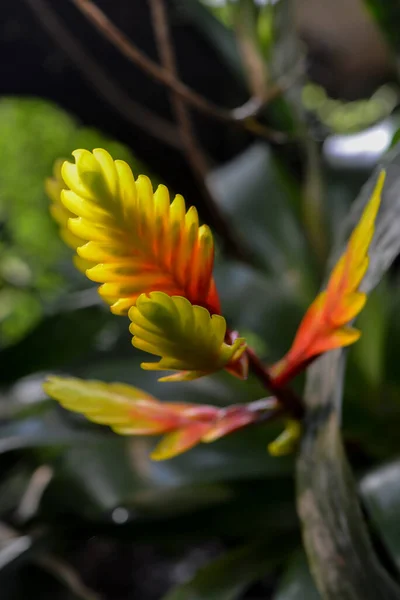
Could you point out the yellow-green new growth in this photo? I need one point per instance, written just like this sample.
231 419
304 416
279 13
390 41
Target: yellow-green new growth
187 338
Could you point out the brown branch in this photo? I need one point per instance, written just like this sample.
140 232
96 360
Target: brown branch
195 156
106 86
238 116
193 151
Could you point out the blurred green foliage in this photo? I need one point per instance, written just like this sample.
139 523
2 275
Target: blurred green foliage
34 264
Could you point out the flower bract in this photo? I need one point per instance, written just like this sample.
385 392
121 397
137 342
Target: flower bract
131 411
135 239
325 324
187 338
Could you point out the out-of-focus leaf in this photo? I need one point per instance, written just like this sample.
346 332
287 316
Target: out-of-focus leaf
269 506
265 305
12 487
71 585
297 583
33 133
386 15
12 546
114 472
48 430
18 578
58 340
369 353
392 340
380 490
227 577
221 38
327 502
257 201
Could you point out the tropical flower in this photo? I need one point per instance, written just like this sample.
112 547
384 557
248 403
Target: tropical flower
187 338
136 240
325 324
131 411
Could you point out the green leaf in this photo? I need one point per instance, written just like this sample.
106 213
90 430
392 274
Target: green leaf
380 490
227 577
273 309
115 471
58 340
386 15
327 502
254 196
297 583
220 37
33 134
50 430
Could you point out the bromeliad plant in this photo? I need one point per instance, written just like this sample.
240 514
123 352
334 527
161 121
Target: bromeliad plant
155 264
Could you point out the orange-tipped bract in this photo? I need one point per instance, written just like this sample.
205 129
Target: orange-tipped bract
325 324
136 240
131 411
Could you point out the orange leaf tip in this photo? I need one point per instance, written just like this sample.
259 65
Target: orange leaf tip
131 411
325 324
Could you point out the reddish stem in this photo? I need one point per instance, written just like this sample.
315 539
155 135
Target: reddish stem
287 397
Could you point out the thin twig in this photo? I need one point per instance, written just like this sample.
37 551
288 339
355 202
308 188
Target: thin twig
104 84
193 151
65 573
240 116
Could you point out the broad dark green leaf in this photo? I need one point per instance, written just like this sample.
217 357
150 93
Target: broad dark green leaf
387 15
227 577
342 559
33 134
265 307
20 578
380 490
48 430
253 194
297 583
269 509
113 472
58 340
220 37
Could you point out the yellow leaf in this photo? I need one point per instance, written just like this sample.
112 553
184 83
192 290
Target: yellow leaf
186 337
126 409
287 441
